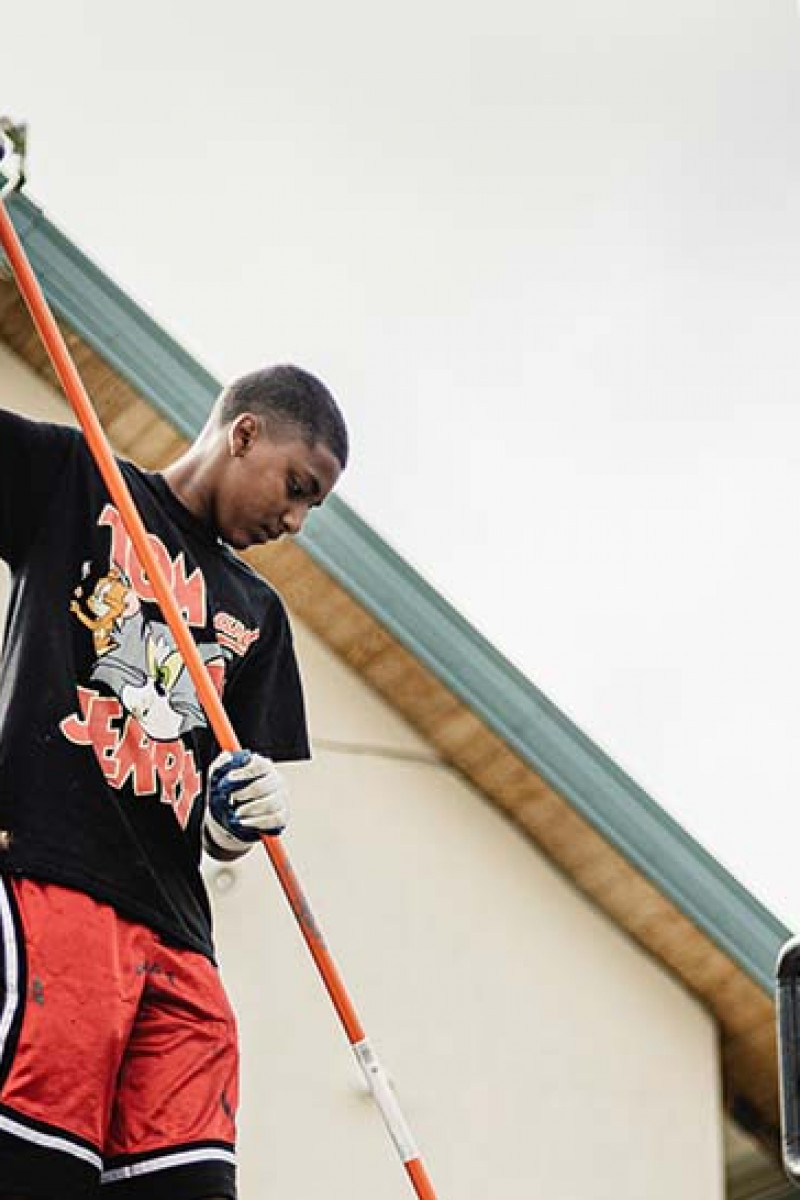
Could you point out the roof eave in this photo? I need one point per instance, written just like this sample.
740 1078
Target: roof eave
347 549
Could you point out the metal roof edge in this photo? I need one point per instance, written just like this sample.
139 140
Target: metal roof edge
395 594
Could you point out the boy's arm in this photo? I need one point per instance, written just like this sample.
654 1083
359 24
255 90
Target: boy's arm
265 698
265 705
247 797
33 455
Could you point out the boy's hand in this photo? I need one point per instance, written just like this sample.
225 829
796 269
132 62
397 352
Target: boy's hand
247 797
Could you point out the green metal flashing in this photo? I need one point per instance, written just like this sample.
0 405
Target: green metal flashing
396 595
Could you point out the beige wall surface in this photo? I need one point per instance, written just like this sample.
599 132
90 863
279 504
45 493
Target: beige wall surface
537 1052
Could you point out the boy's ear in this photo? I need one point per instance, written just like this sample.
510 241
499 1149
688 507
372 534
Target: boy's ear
243 432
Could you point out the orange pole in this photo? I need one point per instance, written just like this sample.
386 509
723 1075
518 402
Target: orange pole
78 397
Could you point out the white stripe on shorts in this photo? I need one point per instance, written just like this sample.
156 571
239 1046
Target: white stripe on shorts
162 1162
11 1002
10 952
50 1141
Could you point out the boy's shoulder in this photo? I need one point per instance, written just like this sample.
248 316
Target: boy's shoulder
252 578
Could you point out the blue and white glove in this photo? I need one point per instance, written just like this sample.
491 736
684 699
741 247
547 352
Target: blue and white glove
247 797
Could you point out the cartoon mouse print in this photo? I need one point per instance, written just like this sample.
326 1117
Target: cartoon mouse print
111 602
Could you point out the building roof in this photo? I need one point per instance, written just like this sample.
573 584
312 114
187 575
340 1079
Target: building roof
482 715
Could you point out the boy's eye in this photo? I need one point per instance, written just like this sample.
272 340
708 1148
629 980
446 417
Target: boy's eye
294 488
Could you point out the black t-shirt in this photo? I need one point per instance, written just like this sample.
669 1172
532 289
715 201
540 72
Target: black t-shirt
103 745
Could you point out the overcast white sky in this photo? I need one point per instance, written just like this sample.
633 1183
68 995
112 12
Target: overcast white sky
547 257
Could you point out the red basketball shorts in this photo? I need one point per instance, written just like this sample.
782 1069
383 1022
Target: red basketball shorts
118 1059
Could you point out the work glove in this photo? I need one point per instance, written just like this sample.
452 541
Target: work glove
247 797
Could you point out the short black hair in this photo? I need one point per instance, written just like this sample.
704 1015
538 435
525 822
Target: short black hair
288 395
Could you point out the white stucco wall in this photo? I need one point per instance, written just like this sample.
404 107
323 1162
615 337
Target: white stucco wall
537 1051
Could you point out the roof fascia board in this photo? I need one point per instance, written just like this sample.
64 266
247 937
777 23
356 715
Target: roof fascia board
395 594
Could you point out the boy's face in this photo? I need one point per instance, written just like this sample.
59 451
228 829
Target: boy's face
269 483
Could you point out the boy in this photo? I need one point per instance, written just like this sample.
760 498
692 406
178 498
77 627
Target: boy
118 1059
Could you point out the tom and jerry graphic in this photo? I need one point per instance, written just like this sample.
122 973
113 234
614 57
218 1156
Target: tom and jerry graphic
109 604
137 722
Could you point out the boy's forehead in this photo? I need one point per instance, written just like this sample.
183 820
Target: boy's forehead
322 465
315 461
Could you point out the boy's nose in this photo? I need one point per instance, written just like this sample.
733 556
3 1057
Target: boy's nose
293 518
